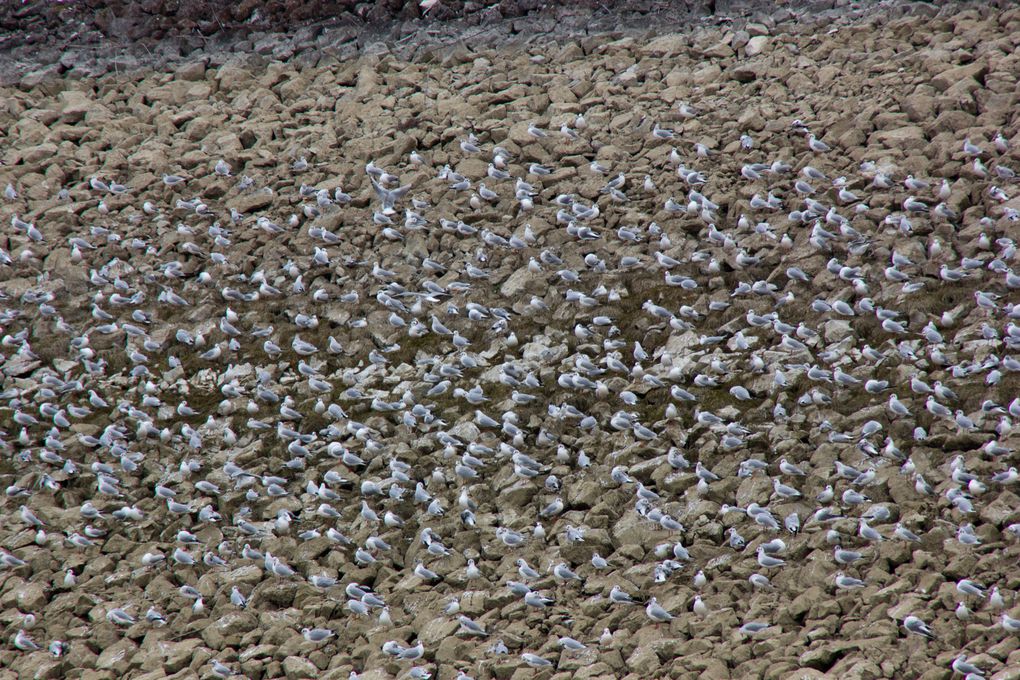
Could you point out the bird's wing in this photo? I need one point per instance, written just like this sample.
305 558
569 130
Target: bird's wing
399 192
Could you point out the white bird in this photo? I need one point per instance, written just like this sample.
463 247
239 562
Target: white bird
916 626
656 613
25 643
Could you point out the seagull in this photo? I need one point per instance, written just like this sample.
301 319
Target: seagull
470 626
767 561
753 627
570 644
656 613
120 617
317 634
535 661
23 642
619 596
963 667
916 626
389 197
1009 624
847 582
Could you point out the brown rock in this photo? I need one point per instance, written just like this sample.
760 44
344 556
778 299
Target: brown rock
918 107
824 656
247 203
76 105
32 597
954 76
118 657
191 71
756 45
227 630
644 661
744 73
709 73
666 45
720 50
908 137
436 629
296 668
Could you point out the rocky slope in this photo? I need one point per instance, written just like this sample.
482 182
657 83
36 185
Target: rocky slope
683 355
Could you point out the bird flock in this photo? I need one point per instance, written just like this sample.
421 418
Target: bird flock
667 383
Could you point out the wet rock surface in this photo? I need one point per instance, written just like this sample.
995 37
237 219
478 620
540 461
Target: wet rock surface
692 354
91 37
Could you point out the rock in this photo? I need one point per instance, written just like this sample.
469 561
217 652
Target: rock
756 45
644 661
191 71
720 50
744 73
174 656
739 40
118 657
918 107
296 668
837 330
38 153
707 74
19 366
516 283
1002 511
31 597
247 203
76 105
803 603
248 575
228 630
862 670
954 76
824 656
805 674
908 137
435 630
665 45
46 78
